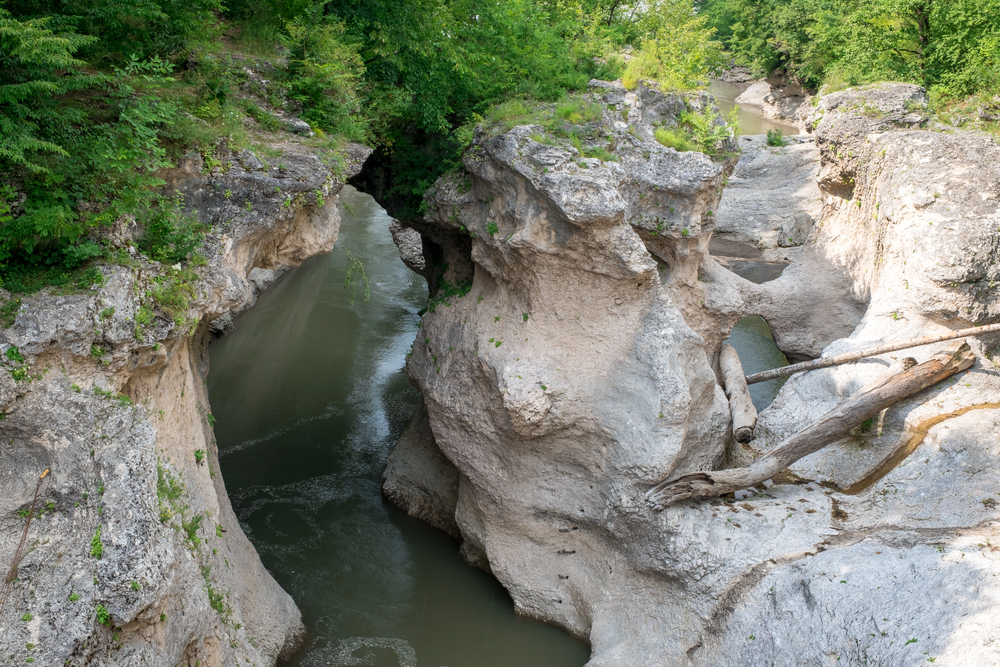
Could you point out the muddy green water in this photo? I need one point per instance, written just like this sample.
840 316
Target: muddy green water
310 395
751 122
752 339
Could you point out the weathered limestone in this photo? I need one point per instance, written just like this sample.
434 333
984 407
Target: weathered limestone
135 518
577 368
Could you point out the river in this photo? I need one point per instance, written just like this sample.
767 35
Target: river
751 121
310 395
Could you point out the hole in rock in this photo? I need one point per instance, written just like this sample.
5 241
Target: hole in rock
310 394
752 339
745 260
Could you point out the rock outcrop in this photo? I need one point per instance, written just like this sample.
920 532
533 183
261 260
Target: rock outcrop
135 556
570 367
780 98
769 207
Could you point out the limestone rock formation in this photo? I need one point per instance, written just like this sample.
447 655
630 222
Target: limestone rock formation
779 97
771 201
570 366
136 557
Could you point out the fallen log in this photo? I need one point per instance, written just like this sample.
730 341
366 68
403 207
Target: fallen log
740 404
847 357
864 404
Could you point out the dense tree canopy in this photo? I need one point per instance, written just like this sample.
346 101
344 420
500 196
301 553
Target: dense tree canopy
96 96
949 46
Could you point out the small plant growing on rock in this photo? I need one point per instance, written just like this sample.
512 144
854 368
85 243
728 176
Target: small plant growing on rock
8 312
199 456
492 229
776 138
103 615
96 548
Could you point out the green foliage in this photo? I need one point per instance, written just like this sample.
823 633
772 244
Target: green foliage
674 139
103 615
946 45
14 355
173 290
354 272
697 131
96 548
9 311
170 235
168 492
680 52
323 74
445 293
199 455
776 138
191 527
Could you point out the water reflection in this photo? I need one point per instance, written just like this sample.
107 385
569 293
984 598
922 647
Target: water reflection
309 395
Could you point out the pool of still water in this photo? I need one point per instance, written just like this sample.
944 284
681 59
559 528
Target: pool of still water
310 395
751 121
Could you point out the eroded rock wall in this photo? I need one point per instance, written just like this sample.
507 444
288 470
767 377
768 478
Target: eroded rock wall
577 370
136 557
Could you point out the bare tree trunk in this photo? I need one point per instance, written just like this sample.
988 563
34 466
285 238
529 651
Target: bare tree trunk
847 416
846 357
740 404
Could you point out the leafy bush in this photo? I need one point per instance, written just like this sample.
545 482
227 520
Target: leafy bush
323 73
96 547
674 139
776 138
680 52
103 615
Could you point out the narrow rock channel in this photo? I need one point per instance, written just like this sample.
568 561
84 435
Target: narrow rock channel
310 395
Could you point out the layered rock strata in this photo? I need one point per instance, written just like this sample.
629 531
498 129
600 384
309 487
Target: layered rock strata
571 367
135 556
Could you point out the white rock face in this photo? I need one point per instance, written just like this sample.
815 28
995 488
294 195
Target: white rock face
771 200
576 370
135 522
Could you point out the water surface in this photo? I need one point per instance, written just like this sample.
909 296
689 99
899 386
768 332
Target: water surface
752 339
310 395
751 121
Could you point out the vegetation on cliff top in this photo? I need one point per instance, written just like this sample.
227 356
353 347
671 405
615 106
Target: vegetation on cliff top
96 98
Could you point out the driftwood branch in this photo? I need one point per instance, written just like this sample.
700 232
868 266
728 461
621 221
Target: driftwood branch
740 403
850 414
847 357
